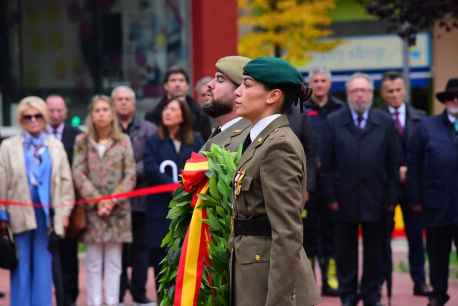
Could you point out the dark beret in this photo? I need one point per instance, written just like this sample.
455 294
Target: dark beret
273 71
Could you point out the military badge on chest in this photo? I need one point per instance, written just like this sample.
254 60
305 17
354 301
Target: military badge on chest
238 181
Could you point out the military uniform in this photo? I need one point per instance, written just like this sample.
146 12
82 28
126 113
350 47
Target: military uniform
268 263
231 138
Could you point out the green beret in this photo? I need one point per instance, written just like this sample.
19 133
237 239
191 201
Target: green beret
273 71
232 67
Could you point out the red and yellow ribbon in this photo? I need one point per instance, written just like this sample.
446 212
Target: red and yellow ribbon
194 252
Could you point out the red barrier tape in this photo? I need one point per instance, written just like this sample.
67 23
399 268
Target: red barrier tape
117 196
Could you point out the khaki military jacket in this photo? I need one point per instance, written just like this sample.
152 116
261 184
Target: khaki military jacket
270 180
231 138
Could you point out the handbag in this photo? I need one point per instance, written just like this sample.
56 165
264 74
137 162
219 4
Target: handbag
8 251
77 223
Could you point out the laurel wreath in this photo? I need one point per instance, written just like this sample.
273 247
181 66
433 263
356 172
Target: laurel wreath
218 203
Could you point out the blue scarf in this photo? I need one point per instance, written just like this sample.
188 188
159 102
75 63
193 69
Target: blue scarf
38 167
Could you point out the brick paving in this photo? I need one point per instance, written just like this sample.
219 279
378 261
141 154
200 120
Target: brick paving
402 286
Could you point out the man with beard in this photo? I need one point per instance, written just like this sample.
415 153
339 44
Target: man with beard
231 130
433 187
361 176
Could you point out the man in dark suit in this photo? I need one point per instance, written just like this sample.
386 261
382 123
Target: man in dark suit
433 187
317 109
361 178
68 247
406 118
176 85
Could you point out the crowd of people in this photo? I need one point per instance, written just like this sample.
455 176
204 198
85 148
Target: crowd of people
311 178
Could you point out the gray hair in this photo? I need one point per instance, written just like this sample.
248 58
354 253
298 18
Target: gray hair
202 82
129 89
359 75
320 70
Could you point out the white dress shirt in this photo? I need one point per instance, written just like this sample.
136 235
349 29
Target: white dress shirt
230 123
261 125
402 114
59 131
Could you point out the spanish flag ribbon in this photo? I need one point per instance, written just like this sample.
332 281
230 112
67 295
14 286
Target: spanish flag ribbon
194 252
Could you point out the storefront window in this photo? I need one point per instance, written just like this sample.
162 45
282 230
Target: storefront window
81 47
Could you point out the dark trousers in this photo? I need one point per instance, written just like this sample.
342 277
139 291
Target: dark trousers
413 229
68 257
439 245
137 255
346 236
157 254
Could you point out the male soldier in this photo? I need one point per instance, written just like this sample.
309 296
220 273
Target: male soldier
176 85
317 109
139 131
361 173
67 274
231 130
406 118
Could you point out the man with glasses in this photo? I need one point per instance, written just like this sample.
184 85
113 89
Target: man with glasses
360 172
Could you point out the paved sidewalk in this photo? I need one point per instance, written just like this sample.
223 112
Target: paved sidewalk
402 286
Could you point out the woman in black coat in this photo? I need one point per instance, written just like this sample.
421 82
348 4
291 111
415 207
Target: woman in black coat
165 155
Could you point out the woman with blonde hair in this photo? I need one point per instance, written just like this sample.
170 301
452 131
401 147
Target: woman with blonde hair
35 169
104 165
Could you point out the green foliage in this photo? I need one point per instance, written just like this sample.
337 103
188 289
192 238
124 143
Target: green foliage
218 204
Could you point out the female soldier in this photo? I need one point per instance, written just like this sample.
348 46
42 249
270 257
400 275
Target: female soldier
269 265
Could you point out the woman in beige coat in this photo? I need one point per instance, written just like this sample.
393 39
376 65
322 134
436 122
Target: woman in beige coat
34 169
104 164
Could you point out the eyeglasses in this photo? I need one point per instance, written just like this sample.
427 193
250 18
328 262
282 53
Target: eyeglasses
30 117
363 90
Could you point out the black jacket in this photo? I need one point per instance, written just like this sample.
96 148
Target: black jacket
413 118
433 170
317 118
361 167
300 125
200 121
68 140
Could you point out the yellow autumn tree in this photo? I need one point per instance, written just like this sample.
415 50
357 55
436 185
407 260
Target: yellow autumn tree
288 28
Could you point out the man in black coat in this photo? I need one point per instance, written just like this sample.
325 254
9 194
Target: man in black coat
137 253
406 118
176 85
433 187
68 247
317 109
361 177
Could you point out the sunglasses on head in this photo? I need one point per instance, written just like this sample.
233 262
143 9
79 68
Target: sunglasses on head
30 117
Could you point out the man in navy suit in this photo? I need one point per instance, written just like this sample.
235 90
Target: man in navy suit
433 187
405 118
361 177
68 247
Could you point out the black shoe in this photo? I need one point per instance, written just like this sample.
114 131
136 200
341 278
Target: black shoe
142 300
421 290
328 291
2 295
376 304
438 301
